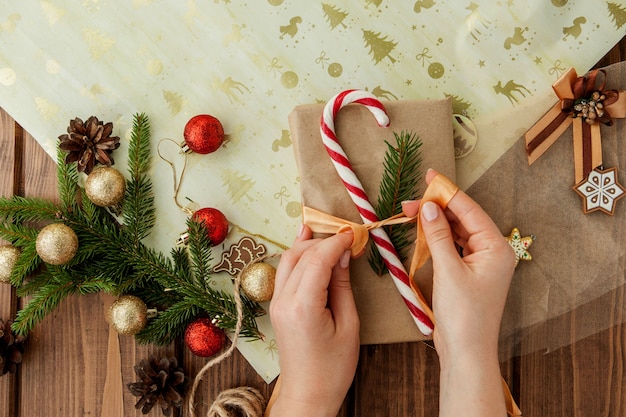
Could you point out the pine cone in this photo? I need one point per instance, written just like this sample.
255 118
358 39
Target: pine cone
11 349
160 382
89 143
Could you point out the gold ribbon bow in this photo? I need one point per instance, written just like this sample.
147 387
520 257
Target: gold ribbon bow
585 104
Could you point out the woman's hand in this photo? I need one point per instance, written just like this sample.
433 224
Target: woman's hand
469 294
316 325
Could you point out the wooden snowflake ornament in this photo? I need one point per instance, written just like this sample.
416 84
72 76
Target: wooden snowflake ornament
600 191
520 245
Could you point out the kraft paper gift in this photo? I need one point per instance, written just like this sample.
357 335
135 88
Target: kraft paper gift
384 317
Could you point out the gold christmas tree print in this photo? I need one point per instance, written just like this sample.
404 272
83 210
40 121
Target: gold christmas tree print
237 184
459 105
618 13
379 46
174 101
334 15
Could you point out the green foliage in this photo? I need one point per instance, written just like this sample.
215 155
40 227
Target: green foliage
399 183
112 257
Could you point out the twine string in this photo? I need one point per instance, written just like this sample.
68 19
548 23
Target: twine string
177 182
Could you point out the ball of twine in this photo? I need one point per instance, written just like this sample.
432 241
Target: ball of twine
240 401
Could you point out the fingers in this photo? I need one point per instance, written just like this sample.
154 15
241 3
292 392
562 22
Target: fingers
305 269
438 235
316 267
464 214
340 297
290 257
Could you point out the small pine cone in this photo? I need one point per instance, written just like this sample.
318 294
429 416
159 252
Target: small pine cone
11 349
89 143
160 382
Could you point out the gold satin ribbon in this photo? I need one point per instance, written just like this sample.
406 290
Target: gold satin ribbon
570 89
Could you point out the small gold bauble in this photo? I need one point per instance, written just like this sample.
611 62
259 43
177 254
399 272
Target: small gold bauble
8 257
257 281
56 244
105 186
128 315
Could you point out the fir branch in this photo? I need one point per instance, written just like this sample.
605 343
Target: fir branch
169 324
21 209
139 213
18 234
200 251
182 266
67 182
400 178
26 264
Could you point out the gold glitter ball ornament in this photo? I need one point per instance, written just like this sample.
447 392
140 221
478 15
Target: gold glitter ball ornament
105 186
8 257
56 244
128 315
257 281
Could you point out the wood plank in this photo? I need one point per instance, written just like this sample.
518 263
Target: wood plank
397 380
8 383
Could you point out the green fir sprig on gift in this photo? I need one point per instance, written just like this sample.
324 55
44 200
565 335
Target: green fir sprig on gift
399 183
111 256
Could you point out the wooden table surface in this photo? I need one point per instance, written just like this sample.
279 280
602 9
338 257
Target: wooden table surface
64 372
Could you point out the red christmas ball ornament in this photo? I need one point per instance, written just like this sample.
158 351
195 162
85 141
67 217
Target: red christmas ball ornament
215 223
203 134
203 338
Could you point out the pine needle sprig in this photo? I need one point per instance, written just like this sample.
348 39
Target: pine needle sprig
139 212
399 183
169 324
19 209
67 183
200 252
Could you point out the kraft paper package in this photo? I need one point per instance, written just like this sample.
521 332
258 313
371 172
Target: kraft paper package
383 315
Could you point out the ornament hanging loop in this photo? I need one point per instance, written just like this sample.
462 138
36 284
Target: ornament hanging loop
177 181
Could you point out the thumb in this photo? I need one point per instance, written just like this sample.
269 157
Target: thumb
340 296
438 235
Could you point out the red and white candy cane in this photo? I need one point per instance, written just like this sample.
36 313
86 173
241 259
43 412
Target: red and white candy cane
360 199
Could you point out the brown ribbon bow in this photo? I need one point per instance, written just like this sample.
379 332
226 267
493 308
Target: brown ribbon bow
585 104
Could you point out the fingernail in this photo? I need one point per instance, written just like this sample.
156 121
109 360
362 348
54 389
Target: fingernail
344 261
430 211
300 230
408 202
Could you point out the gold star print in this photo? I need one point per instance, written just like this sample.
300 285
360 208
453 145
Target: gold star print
409 82
481 63
520 245
538 60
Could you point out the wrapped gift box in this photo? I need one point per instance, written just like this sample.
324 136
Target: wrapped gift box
384 317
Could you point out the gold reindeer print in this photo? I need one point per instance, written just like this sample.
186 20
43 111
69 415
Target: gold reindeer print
509 88
423 4
475 20
284 141
292 28
384 94
232 89
517 38
576 29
